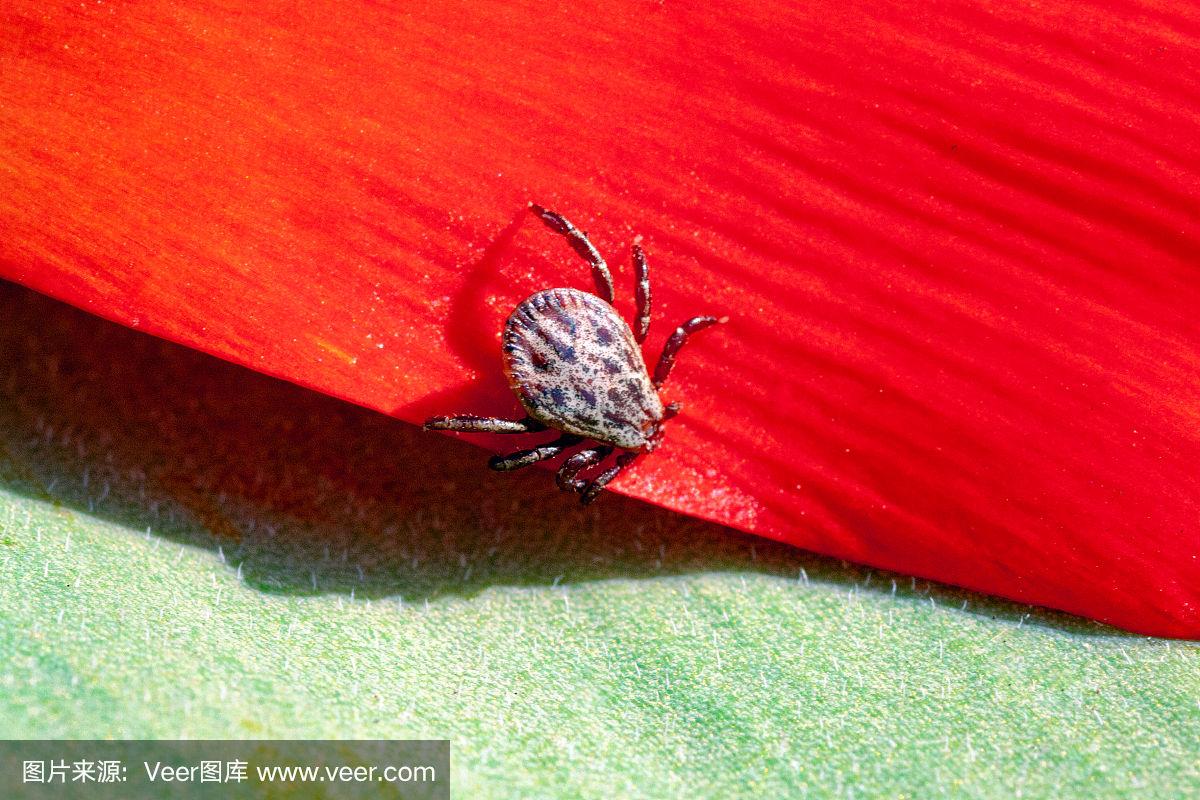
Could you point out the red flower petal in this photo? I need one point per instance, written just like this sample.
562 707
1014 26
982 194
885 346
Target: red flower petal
957 242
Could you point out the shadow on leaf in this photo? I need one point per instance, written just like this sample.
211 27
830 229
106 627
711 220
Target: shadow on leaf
305 494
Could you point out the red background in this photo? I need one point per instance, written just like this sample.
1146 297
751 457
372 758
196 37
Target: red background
957 243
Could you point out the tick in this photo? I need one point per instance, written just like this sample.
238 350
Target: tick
576 367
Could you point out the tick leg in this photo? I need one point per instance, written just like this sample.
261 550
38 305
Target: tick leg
523 458
677 340
641 271
595 487
580 244
566 479
467 423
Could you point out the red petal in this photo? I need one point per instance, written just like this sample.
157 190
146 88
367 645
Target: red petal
957 243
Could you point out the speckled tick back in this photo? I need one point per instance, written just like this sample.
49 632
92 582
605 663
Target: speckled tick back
574 365
577 367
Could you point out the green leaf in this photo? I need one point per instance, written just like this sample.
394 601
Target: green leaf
192 549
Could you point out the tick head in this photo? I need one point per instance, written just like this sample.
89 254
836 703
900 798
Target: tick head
654 428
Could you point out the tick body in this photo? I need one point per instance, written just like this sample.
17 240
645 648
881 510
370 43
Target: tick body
574 365
577 367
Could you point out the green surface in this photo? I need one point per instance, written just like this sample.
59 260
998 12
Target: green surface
191 549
